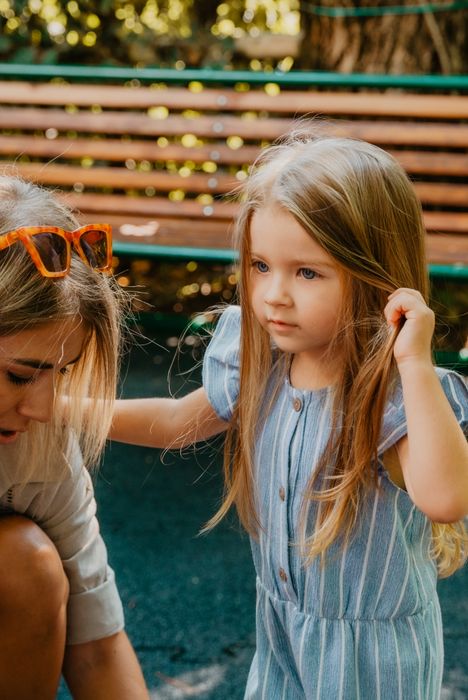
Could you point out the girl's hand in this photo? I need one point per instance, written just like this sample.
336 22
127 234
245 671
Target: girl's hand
407 308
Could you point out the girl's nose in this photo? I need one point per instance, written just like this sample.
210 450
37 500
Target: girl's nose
38 400
277 292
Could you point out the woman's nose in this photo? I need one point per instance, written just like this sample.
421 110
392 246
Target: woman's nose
38 400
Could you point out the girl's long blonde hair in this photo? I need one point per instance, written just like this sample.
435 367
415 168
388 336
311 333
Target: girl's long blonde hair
31 301
356 201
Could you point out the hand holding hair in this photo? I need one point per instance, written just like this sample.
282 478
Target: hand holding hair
407 308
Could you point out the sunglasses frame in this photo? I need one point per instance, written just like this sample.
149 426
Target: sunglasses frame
72 238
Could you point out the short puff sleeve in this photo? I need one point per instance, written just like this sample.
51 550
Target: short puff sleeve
221 364
394 420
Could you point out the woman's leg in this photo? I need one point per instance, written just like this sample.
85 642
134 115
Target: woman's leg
33 600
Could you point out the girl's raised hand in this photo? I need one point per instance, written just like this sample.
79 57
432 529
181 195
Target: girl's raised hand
406 307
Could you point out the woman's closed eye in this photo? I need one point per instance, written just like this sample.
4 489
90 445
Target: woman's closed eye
19 380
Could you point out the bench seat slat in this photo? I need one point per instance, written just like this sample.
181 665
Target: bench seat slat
155 207
443 194
442 249
415 162
390 133
121 178
391 104
152 207
119 150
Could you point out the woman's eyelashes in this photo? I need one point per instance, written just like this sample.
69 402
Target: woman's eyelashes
19 380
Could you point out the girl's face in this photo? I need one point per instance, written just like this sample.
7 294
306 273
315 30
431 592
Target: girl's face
30 361
296 286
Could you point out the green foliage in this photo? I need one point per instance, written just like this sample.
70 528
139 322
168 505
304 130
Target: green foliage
142 33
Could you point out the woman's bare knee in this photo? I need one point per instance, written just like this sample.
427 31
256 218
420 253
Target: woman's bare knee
32 572
33 598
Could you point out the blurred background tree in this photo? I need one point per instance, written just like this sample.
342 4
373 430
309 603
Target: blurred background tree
404 36
385 37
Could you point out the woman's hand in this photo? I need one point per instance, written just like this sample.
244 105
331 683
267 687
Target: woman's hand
407 308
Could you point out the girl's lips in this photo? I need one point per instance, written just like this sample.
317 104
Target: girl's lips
280 324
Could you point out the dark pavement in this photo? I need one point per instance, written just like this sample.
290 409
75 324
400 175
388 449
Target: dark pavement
190 600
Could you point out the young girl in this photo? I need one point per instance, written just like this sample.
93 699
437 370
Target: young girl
59 334
345 453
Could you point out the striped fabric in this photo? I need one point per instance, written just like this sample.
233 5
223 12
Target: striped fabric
367 626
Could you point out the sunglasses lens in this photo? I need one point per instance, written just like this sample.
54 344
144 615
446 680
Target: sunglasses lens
94 246
52 250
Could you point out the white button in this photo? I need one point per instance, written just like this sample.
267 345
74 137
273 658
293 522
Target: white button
297 404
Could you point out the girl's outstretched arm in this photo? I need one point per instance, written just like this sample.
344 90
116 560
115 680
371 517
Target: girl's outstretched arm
104 668
167 423
434 454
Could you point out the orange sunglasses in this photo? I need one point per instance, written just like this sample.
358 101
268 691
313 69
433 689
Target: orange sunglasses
50 247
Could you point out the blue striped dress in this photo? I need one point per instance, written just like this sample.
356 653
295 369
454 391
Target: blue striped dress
367 626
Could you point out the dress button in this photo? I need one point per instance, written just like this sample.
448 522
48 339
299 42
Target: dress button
283 576
297 404
282 493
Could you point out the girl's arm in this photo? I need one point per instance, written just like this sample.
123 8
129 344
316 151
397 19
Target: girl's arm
434 453
167 423
104 668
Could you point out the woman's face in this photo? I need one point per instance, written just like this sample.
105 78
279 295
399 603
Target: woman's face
30 361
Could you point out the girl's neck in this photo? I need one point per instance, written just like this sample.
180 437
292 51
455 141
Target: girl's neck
312 374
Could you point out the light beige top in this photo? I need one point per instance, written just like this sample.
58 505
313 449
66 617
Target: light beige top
66 511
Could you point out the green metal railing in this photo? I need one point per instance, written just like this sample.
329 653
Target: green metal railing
222 255
231 77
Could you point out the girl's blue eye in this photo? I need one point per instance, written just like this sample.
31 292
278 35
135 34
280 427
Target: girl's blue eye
307 273
19 381
261 266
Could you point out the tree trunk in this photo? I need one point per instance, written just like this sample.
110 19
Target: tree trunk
413 43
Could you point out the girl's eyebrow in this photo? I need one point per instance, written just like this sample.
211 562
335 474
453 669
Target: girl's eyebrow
38 364
299 262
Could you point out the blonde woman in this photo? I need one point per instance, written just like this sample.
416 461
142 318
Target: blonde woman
59 333
345 452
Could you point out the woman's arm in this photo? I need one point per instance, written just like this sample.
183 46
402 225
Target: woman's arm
103 669
168 423
434 454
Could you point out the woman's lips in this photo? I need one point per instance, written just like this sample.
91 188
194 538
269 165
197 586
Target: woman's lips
7 436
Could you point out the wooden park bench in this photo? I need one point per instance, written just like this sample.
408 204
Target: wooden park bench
157 152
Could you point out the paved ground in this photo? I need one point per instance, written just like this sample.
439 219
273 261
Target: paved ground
189 600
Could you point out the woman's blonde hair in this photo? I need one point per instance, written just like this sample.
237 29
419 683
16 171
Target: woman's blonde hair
356 201
30 301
